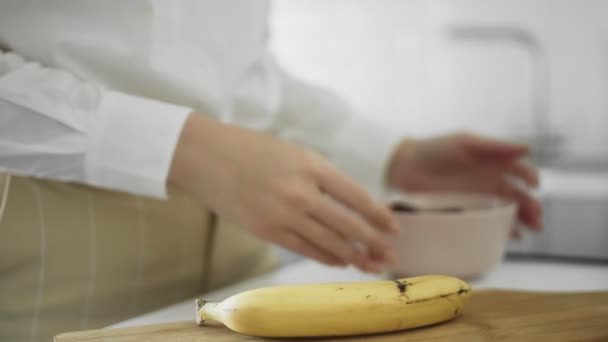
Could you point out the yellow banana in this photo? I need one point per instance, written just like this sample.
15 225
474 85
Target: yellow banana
335 309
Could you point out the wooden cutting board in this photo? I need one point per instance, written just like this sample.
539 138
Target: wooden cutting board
491 315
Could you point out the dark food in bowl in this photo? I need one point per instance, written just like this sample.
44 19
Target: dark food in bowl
408 208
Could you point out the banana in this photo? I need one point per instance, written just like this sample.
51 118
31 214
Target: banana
338 309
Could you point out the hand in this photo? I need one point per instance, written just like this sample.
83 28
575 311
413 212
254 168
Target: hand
282 193
466 162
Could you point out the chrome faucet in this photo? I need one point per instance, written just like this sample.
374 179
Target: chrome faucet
544 141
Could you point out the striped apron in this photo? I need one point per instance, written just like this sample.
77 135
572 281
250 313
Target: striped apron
74 257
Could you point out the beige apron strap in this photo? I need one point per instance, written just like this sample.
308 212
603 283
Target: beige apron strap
5 184
237 255
207 262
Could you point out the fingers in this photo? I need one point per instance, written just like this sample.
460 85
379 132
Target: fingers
519 172
345 222
530 210
348 192
495 181
296 243
502 153
328 240
524 172
489 148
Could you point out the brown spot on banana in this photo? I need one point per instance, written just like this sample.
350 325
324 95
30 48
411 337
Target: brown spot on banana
462 291
402 286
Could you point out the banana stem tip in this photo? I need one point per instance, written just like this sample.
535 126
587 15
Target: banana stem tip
199 316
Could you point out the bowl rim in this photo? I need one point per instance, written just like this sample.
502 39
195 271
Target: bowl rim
503 203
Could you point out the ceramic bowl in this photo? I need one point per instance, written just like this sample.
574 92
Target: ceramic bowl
458 234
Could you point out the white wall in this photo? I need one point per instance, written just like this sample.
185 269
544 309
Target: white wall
395 61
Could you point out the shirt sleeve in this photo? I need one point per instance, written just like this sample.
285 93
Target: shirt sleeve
56 126
321 120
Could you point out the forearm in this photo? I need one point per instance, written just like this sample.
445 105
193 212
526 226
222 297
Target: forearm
193 160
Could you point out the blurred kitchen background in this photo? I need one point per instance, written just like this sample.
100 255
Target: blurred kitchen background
532 71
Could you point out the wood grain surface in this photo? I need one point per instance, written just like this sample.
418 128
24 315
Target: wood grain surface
492 315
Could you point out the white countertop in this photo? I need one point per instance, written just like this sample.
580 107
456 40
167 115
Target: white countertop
573 184
511 274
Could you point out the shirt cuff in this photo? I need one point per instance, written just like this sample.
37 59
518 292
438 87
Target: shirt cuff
132 145
363 148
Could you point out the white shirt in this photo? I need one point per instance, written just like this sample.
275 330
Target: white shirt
98 91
